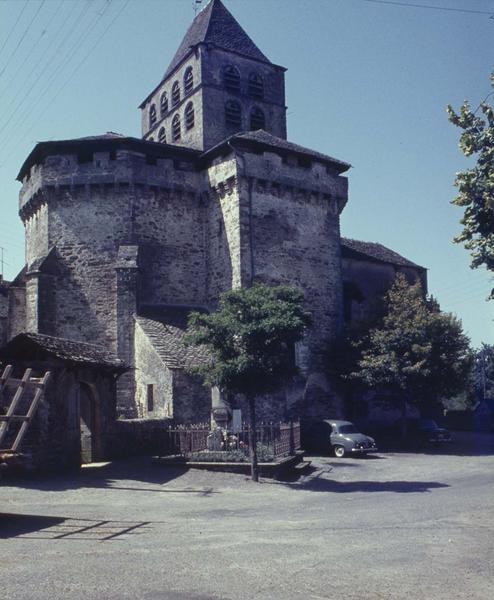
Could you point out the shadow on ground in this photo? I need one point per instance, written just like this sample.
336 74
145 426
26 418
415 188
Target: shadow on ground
117 475
319 483
57 528
464 443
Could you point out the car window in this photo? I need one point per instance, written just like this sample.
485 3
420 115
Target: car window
348 429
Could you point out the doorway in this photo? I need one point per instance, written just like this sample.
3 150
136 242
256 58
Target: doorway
88 424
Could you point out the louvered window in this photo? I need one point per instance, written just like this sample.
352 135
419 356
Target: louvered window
162 136
175 93
188 80
233 113
256 86
164 104
189 116
231 79
152 115
257 119
176 133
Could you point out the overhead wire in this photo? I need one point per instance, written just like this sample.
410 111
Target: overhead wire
18 68
19 16
60 66
22 37
432 7
75 70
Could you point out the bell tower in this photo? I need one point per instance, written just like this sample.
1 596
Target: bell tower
218 83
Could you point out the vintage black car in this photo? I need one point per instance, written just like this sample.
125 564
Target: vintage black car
428 431
339 437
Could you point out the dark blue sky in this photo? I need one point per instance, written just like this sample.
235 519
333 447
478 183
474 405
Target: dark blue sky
367 82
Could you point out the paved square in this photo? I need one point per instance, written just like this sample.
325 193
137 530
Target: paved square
395 526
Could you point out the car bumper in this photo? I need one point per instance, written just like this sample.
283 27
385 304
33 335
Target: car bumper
364 450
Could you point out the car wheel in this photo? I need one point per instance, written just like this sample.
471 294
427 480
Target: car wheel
339 451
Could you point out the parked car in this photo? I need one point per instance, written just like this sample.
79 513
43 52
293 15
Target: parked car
428 431
339 437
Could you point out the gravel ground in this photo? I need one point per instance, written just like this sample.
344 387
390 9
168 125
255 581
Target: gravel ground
393 526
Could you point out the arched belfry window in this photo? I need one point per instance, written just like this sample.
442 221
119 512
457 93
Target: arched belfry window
257 119
255 87
233 113
164 104
162 136
231 79
175 93
176 133
152 115
189 116
188 80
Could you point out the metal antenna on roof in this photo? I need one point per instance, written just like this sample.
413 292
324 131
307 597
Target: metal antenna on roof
197 6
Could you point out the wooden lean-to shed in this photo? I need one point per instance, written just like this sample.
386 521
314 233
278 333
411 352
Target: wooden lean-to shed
75 422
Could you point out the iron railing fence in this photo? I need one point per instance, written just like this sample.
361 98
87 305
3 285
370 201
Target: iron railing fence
274 440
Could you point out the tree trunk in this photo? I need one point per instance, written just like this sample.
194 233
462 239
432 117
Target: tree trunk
253 439
404 424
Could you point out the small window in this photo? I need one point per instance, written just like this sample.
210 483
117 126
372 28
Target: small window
176 133
152 115
256 86
257 120
231 79
164 104
150 397
233 113
175 93
188 80
189 116
162 136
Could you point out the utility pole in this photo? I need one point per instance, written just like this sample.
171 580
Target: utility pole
1 262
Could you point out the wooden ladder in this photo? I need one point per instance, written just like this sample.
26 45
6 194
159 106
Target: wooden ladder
11 417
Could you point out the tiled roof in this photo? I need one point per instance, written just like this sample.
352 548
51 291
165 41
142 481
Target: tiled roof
166 327
76 352
265 139
216 26
374 251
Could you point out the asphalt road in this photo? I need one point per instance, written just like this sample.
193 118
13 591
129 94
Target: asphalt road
395 526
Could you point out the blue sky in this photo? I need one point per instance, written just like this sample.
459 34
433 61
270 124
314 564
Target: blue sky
367 82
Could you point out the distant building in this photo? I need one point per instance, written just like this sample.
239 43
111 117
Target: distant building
124 236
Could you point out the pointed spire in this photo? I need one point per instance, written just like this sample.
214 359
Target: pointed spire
215 25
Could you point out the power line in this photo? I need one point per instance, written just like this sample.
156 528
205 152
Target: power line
30 52
65 61
75 70
22 37
15 25
430 7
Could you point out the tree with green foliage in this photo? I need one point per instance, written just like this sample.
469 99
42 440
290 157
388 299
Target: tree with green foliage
483 375
476 185
250 339
416 352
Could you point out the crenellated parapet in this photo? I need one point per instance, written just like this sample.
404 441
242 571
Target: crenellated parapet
104 167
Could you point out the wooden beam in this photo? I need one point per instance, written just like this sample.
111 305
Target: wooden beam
30 413
15 401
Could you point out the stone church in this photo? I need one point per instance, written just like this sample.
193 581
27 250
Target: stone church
125 236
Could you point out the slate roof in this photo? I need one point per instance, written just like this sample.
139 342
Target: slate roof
74 352
263 138
374 252
216 26
165 328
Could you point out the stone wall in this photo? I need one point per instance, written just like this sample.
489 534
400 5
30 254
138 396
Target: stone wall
4 312
215 95
54 437
370 281
192 138
150 370
209 96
